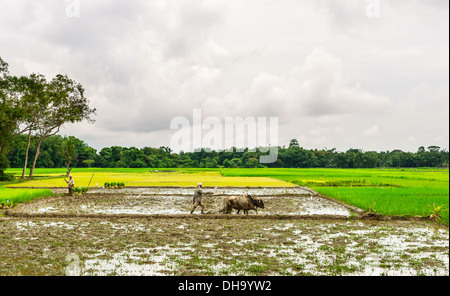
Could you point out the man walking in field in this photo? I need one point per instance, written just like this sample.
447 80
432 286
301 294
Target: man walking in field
198 195
71 185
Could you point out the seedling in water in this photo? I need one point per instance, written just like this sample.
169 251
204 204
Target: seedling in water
371 208
436 211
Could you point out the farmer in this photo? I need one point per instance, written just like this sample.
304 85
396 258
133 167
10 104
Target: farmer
71 184
198 195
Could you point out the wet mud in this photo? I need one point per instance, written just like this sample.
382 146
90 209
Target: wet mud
170 201
142 231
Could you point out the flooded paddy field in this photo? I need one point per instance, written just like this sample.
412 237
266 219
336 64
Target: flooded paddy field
176 201
148 231
177 246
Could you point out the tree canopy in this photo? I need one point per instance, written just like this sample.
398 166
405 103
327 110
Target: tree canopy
52 156
39 107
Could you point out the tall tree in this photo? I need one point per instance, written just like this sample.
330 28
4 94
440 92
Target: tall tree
10 113
69 154
64 102
5 107
294 144
32 102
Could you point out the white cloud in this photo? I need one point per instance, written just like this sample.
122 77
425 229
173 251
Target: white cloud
371 131
323 67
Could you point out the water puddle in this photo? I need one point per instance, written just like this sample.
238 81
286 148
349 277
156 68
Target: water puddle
176 201
155 247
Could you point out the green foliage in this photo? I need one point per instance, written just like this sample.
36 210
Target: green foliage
114 185
80 190
294 144
393 191
10 112
436 212
147 157
6 205
6 177
3 167
41 106
294 157
11 197
88 162
51 154
371 208
67 150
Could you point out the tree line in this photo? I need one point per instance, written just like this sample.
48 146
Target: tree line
71 152
35 108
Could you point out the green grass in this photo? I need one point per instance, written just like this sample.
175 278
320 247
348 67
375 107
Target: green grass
62 171
408 192
389 200
22 195
48 178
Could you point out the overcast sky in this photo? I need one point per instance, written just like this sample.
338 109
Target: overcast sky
368 74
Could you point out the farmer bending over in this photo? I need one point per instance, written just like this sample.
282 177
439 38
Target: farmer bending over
71 184
198 195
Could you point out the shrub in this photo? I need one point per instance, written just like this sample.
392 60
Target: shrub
6 177
80 190
436 212
114 184
6 204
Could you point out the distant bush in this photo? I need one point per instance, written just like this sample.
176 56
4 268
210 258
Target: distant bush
6 177
114 184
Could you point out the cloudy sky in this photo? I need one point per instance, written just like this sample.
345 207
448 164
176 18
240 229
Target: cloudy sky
368 74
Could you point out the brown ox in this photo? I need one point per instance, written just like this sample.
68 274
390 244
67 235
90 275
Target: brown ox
244 202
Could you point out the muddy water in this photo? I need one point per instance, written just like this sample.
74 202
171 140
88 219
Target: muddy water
149 245
173 201
43 246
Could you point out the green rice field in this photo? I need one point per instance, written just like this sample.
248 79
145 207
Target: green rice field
8 195
409 192
404 192
50 178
